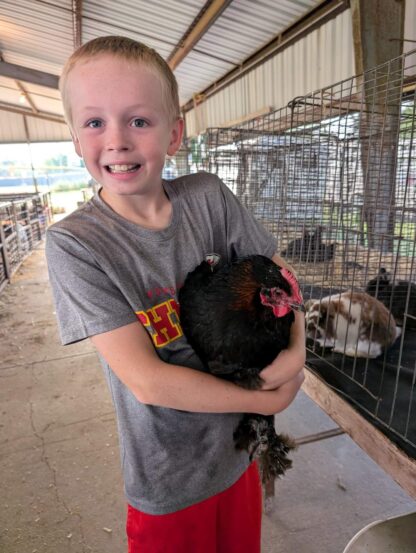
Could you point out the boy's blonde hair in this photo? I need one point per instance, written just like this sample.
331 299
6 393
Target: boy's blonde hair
127 49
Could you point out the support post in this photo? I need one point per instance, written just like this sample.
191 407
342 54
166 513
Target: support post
378 27
6 262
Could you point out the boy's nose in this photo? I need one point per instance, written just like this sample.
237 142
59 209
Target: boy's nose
117 140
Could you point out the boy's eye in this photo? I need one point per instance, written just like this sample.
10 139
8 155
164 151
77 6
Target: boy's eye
138 122
94 123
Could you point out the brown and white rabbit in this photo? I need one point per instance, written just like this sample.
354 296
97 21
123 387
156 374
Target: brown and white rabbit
352 323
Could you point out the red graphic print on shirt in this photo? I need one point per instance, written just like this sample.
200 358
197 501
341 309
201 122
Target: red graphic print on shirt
162 322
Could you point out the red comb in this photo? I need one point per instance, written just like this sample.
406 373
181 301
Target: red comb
296 296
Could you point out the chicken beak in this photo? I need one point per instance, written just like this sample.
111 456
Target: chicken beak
297 307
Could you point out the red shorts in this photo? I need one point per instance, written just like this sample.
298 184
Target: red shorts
229 522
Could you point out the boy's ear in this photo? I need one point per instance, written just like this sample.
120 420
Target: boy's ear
76 143
175 137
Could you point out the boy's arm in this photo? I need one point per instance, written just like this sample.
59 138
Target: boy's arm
131 355
290 361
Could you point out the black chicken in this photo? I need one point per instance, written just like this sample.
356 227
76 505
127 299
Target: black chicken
237 317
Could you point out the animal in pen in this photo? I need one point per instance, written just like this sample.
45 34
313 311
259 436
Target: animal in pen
237 316
310 248
399 297
351 323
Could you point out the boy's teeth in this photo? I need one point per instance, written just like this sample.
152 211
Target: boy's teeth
121 168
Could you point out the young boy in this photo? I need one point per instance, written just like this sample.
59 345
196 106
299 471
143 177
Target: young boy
115 267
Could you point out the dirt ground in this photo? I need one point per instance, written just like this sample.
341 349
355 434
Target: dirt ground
61 488
61 485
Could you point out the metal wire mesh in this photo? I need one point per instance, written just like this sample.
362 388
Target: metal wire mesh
23 222
333 177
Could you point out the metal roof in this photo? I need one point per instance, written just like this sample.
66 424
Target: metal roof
41 34
322 57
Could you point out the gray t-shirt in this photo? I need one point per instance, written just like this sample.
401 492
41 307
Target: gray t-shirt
107 272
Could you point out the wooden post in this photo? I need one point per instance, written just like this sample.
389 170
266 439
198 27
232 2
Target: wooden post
16 228
6 262
378 27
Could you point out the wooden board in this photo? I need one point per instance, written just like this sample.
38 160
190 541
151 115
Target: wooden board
388 456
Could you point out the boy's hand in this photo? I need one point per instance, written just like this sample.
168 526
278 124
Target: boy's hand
270 402
286 366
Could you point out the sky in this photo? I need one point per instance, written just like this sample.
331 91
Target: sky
40 152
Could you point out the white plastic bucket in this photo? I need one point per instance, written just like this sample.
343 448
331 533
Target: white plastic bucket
393 535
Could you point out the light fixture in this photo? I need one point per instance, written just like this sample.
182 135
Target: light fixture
22 98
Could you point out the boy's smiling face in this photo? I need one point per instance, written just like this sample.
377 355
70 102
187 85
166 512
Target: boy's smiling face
120 124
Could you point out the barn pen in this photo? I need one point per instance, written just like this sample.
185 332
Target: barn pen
23 221
333 176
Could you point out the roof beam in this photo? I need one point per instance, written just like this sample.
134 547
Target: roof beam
26 96
4 106
199 26
77 22
20 73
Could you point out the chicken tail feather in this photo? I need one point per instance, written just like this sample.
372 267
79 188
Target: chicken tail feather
256 434
274 462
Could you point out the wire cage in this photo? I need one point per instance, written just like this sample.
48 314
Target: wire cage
333 176
177 165
23 222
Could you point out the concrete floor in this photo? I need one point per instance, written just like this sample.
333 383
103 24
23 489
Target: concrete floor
61 489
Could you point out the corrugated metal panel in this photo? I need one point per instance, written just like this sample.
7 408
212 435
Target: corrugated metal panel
47 105
322 57
244 27
159 24
36 34
39 128
33 63
43 91
197 72
12 128
45 99
8 91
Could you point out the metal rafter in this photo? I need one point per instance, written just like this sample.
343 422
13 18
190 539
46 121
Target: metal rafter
24 92
4 106
199 26
20 73
77 22
27 96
